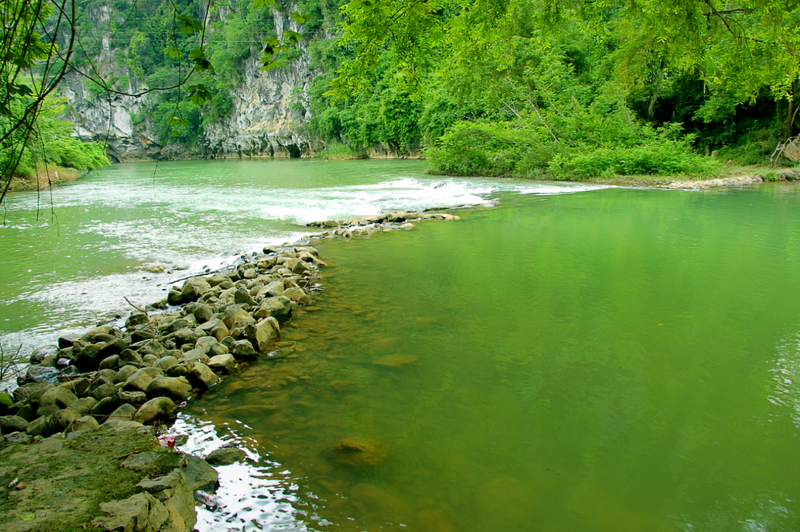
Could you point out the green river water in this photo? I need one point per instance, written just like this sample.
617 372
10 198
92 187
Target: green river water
607 360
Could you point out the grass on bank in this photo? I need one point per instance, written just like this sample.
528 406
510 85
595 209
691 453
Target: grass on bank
43 178
645 157
337 151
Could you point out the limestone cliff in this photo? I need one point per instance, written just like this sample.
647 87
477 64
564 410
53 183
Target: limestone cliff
268 119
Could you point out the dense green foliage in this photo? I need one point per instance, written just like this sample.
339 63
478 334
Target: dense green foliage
52 143
558 88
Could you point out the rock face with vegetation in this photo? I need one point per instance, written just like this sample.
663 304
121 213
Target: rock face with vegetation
253 113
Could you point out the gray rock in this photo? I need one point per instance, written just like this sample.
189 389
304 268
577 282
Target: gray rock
41 426
136 319
43 352
108 374
124 373
200 475
138 381
178 370
98 333
244 349
219 349
202 312
176 325
194 288
149 347
195 355
205 344
222 363
89 357
31 392
299 295
104 391
184 336
124 412
105 406
217 279
262 334
225 456
243 297
175 388
111 362
129 357
85 424
158 408
273 289
133 398
9 424
55 399
40 374
174 297
79 386
63 419
18 437
146 332
84 405
165 362
279 307
202 376
67 340
235 316
220 331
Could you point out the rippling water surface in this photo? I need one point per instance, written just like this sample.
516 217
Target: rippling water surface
608 360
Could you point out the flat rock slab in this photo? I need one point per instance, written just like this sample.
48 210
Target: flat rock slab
66 481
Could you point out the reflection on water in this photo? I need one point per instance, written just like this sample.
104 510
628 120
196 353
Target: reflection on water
599 362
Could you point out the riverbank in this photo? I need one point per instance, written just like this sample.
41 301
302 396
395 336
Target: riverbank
45 177
79 398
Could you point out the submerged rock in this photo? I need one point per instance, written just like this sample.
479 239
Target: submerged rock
359 452
395 361
225 456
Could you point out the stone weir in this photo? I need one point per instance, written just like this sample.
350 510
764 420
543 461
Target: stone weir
80 448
